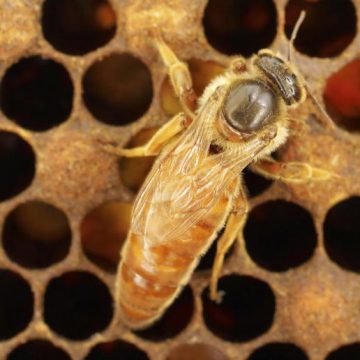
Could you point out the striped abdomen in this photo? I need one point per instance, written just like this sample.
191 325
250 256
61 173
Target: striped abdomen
150 278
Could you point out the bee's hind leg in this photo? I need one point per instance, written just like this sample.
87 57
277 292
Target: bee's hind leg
179 76
234 224
170 129
290 172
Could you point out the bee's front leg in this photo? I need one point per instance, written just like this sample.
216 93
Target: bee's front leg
234 224
179 76
290 172
170 129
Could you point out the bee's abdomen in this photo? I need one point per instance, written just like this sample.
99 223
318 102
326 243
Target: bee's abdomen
149 279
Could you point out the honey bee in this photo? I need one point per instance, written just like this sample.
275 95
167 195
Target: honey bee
194 188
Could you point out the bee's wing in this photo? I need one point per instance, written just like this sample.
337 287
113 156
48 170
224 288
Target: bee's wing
185 183
170 186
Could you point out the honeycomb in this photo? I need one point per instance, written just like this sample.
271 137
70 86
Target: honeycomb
74 72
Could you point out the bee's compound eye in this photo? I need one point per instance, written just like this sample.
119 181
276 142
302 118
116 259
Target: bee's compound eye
249 106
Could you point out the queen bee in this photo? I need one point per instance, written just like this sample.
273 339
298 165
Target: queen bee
194 188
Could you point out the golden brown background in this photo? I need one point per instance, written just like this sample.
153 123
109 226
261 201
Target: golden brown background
76 71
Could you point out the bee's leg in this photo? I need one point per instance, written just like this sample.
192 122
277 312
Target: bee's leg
174 126
234 224
179 76
291 172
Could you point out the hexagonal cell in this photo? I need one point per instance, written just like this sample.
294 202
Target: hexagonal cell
240 26
342 96
342 233
38 350
16 304
37 93
280 235
114 350
118 89
246 311
77 27
103 232
278 351
77 305
174 320
196 351
17 164
36 235
329 26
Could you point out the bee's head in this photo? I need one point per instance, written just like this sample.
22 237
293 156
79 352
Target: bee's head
281 75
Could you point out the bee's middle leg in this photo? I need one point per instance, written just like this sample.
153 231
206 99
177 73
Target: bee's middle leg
290 172
170 129
234 224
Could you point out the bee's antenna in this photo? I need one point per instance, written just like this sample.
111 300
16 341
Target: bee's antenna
325 118
294 34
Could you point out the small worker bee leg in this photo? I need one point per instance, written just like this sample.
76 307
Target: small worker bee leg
174 126
234 224
291 172
179 76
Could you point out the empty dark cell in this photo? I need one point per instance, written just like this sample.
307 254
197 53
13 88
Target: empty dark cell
280 235
38 350
255 184
115 350
36 93
36 235
347 352
118 89
103 232
196 351
342 234
16 304
245 312
77 305
17 164
342 96
329 26
175 319
278 351
240 26
77 27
